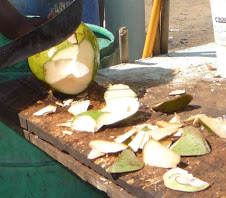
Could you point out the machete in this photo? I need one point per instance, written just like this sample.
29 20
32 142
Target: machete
47 35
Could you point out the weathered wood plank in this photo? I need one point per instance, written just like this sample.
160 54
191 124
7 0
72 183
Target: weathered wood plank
79 169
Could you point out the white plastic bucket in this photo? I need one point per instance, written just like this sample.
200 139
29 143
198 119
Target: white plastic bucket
218 9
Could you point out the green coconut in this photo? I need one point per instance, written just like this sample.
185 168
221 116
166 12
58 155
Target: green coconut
69 67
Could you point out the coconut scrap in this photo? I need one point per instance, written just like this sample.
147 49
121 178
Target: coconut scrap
137 140
107 146
126 135
174 72
192 143
181 180
59 103
176 119
126 162
161 133
146 127
67 132
177 92
193 119
66 124
94 153
78 107
121 102
45 111
216 125
67 102
210 67
178 133
166 143
165 124
144 140
89 121
155 154
174 105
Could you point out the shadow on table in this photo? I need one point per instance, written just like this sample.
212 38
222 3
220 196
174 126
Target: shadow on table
137 73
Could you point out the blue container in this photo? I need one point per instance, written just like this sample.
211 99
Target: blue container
42 8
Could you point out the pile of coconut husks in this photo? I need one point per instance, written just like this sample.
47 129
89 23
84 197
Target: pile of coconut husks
162 144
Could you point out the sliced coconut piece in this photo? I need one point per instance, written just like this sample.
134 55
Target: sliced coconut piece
45 111
107 146
126 162
66 124
155 154
59 103
78 107
119 91
176 119
166 143
165 124
173 105
216 125
121 108
146 127
137 140
67 102
193 119
90 121
179 133
177 92
126 135
179 179
95 154
191 143
160 133
67 132
71 69
121 101
144 140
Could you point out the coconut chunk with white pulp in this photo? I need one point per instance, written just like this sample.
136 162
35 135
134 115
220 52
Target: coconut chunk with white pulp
71 69
121 102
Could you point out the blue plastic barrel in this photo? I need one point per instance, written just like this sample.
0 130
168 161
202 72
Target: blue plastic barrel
42 8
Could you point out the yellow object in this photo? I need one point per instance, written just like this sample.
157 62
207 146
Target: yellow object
152 29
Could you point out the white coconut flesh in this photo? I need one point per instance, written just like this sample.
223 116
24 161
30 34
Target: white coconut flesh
71 69
121 108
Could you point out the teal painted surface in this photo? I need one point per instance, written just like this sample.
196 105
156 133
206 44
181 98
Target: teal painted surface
16 71
26 171
109 51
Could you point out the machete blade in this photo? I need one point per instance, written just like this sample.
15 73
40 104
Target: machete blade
47 35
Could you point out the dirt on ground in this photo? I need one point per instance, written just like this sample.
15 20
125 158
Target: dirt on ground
190 23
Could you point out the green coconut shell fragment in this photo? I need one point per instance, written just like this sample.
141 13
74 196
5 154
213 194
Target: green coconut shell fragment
126 162
90 121
181 180
192 143
174 105
214 125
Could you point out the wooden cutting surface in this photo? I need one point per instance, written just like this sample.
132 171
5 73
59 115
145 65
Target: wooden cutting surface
26 96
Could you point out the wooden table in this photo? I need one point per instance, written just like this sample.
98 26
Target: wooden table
152 79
